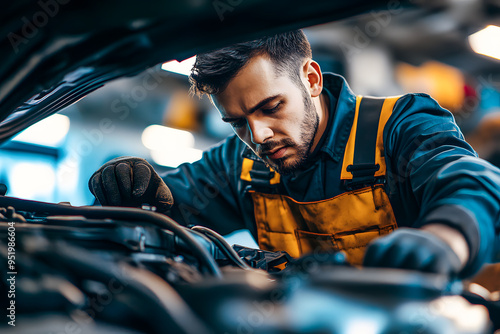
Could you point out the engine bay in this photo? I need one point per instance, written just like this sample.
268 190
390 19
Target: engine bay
105 270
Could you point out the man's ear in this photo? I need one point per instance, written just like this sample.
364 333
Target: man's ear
313 78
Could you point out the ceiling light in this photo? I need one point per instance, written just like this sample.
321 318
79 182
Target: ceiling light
184 67
173 158
170 147
33 180
485 42
50 131
158 138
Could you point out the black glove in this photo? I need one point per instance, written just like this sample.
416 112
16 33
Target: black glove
132 182
413 249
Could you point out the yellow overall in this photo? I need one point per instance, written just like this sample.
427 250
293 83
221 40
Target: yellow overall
345 222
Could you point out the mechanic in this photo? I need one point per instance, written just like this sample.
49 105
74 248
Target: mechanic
313 167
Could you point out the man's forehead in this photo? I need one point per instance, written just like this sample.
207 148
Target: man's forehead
258 71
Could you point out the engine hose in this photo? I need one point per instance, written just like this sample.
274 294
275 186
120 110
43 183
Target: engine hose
223 246
130 214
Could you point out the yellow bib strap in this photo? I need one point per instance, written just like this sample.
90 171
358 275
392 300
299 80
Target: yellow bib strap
364 159
246 167
384 117
258 173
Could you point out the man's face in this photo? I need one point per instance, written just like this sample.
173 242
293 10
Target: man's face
271 114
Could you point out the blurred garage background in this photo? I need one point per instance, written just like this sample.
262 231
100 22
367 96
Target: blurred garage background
449 49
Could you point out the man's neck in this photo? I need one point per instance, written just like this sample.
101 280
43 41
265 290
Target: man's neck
322 104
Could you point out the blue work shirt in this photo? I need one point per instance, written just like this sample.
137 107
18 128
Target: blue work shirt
433 175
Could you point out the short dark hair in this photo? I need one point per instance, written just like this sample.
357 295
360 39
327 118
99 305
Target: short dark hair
213 70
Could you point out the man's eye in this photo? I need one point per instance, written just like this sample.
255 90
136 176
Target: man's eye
238 124
273 109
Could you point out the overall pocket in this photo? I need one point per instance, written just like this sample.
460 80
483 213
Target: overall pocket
352 242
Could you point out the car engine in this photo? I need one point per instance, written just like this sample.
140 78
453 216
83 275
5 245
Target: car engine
72 269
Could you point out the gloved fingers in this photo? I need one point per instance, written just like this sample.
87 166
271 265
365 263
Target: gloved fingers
413 249
164 199
97 190
391 251
124 178
445 261
374 252
395 256
433 265
129 181
141 176
111 186
415 258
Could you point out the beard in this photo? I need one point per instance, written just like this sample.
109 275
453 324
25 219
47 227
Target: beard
309 128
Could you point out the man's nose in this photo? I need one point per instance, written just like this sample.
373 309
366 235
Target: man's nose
260 131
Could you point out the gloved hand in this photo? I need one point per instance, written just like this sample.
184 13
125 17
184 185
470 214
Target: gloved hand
414 249
129 181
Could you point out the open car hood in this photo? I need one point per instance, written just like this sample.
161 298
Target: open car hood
55 52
